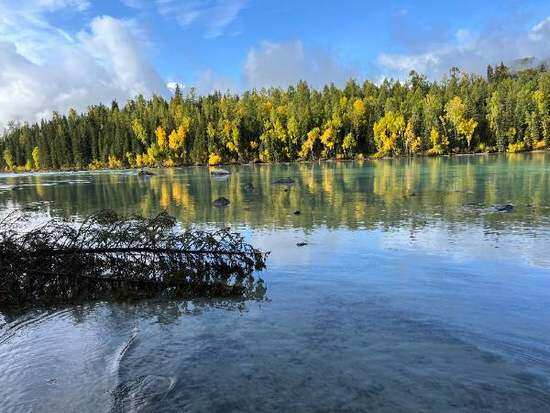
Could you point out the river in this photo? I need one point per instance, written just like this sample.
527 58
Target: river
412 294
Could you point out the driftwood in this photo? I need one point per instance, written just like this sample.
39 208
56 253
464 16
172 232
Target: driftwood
112 257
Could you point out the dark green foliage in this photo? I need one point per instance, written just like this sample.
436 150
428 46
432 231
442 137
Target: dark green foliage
273 125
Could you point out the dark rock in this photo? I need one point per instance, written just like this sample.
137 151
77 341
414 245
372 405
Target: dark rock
221 202
503 208
219 172
297 212
284 181
301 244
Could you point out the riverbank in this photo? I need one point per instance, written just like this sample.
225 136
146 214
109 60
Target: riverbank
356 159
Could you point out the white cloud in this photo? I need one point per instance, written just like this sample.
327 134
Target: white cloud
172 86
470 52
44 69
283 64
405 63
541 31
114 47
214 15
80 5
134 4
208 81
50 5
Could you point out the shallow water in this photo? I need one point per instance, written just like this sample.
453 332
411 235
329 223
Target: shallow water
411 294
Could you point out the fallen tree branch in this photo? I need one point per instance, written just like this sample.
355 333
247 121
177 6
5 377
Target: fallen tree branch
138 251
108 256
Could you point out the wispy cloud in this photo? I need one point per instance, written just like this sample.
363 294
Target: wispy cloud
214 15
271 64
470 51
208 81
283 64
50 5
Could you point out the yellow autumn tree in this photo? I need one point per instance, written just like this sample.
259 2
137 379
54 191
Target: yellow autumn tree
328 140
330 136
139 131
309 144
160 133
176 140
388 131
36 157
349 144
455 113
412 142
214 159
358 107
8 159
439 142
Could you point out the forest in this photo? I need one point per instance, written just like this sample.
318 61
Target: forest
504 111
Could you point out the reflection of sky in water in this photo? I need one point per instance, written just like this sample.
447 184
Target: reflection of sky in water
410 295
472 243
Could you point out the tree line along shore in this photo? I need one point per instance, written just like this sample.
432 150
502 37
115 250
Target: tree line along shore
503 111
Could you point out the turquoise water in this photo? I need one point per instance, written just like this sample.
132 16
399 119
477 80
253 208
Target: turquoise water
412 294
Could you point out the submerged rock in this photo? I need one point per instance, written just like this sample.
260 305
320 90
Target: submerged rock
503 208
284 181
221 202
219 172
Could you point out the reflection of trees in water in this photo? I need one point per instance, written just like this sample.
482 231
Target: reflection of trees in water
382 193
159 310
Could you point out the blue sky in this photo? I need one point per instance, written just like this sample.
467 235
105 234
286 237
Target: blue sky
56 54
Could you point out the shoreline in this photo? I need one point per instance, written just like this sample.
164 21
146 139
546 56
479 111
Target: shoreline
205 165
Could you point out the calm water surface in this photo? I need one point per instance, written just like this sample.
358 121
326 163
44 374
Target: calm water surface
411 295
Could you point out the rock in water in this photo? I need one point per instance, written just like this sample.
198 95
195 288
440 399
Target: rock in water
219 172
145 173
297 212
301 244
503 208
221 202
284 181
